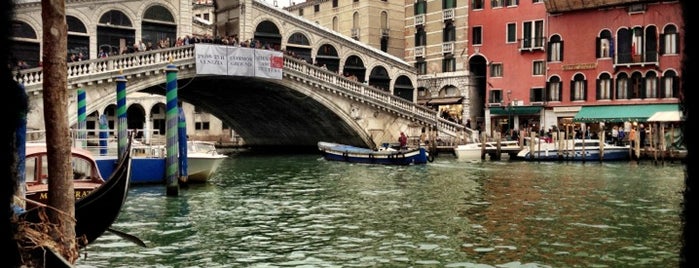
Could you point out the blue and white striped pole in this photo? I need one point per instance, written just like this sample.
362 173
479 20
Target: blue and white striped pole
171 167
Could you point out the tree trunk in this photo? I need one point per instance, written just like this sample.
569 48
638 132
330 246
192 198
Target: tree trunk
55 89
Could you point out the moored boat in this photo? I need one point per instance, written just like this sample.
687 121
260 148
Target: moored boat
574 150
86 175
474 150
202 160
96 211
385 156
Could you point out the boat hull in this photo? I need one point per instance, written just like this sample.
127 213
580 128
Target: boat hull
201 168
548 152
346 153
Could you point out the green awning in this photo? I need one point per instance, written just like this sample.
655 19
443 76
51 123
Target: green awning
621 113
515 110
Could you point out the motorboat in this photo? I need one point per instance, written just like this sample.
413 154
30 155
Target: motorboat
477 150
202 160
574 150
384 155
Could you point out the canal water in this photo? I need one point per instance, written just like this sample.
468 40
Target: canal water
303 211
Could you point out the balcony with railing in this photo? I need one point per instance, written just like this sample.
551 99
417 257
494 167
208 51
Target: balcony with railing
448 14
419 19
385 32
532 44
448 48
628 59
420 52
355 33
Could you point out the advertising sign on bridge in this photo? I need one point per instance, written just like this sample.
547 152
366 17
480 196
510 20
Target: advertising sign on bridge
238 61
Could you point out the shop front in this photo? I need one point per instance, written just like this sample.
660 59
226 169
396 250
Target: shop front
506 119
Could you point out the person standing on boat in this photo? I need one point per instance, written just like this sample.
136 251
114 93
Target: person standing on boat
403 140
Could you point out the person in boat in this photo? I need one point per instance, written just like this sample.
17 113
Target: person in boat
403 140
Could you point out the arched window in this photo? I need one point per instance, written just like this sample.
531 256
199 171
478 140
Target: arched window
578 88
670 85
555 52
604 44
651 88
604 87
553 89
622 86
669 43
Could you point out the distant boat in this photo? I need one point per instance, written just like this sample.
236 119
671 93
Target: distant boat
97 211
202 160
86 175
575 150
473 150
385 156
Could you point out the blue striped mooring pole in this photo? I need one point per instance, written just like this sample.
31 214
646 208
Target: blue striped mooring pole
171 167
122 135
182 141
82 119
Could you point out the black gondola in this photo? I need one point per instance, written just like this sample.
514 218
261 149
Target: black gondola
96 212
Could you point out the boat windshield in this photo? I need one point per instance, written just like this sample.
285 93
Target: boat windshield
198 147
37 169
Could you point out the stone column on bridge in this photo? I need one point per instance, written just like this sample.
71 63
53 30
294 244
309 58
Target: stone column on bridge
147 126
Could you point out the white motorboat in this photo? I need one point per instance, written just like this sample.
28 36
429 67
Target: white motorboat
575 150
202 160
474 150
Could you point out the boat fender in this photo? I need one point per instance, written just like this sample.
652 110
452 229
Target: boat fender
344 154
430 158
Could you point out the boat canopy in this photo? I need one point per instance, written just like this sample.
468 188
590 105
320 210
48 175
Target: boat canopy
621 113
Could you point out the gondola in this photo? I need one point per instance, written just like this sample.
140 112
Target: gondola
96 212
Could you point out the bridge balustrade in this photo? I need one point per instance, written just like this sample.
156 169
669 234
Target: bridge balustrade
148 61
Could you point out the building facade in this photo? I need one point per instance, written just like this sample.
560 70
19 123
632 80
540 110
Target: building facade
550 64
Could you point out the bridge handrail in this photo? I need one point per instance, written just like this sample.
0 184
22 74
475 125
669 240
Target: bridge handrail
136 63
109 67
380 97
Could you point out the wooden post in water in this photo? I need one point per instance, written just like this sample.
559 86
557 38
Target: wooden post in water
171 167
531 146
482 146
602 138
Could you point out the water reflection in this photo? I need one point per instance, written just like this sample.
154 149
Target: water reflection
279 211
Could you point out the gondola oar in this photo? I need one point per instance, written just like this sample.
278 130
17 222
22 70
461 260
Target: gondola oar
129 237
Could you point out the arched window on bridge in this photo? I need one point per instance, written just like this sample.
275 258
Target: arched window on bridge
267 34
404 88
379 78
158 24
78 39
299 45
327 55
115 32
25 45
354 67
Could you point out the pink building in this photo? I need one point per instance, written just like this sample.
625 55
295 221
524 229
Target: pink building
546 64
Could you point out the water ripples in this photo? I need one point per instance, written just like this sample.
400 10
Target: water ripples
300 211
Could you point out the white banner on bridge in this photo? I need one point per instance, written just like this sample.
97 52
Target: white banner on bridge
238 61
